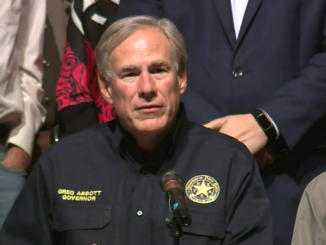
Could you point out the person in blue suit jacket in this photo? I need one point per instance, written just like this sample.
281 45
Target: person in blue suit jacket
257 72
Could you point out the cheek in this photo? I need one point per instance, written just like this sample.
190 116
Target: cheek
171 93
120 92
123 96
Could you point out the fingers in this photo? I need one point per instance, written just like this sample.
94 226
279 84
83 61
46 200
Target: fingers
260 159
265 157
216 124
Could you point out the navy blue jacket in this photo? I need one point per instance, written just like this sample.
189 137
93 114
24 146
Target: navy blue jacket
97 187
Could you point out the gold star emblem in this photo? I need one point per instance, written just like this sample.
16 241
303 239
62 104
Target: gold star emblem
202 189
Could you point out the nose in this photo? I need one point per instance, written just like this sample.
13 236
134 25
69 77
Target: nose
147 87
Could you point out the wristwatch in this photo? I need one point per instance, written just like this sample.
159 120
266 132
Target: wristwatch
265 124
278 144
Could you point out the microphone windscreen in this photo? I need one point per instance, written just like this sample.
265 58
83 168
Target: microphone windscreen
167 177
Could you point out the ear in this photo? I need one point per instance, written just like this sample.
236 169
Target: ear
182 73
105 88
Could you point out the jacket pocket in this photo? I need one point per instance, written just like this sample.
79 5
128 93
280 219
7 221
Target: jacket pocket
80 217
206 222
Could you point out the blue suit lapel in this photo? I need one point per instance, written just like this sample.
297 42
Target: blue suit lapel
224 11
252 8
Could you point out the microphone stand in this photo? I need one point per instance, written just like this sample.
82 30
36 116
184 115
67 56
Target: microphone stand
175 229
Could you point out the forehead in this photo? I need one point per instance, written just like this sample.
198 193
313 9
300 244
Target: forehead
143 45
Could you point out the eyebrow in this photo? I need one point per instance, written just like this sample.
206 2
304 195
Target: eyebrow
159 63
127 69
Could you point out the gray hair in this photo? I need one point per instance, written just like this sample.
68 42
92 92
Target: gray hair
122 29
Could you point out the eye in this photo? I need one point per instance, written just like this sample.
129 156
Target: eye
158 71
131 74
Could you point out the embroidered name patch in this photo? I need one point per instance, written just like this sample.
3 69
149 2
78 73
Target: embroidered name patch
79 196
202 189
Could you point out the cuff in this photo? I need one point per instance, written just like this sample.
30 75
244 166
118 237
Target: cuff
23 135
272 121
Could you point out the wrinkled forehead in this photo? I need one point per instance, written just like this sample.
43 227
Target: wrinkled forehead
147 45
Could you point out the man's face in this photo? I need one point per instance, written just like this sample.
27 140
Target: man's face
145 86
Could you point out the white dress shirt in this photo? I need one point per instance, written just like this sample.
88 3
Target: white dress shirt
238 11
21 69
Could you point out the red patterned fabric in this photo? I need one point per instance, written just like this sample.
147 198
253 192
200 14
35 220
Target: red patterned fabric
78 76
78 83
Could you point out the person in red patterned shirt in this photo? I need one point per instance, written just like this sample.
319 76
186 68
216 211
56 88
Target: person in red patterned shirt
79 101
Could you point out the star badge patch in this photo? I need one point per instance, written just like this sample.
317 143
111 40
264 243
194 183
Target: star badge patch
202 189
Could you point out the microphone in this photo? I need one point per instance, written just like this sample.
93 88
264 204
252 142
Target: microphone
170 184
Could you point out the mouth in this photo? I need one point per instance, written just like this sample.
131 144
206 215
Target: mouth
149 108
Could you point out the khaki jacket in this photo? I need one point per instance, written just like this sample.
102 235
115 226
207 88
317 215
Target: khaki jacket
310 224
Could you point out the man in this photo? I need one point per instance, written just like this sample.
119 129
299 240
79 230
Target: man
257 72
310 223
101 186
21 112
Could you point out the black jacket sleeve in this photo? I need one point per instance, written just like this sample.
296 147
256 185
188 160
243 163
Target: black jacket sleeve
248 218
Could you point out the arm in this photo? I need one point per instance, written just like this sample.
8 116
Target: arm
300 102
75 103
248 213
23 75
310 225
28 222
245 129
140 7
30 44
304 97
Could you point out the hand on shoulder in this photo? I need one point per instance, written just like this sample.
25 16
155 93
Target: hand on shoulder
245 129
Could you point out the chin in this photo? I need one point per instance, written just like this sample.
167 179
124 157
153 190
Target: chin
152 126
